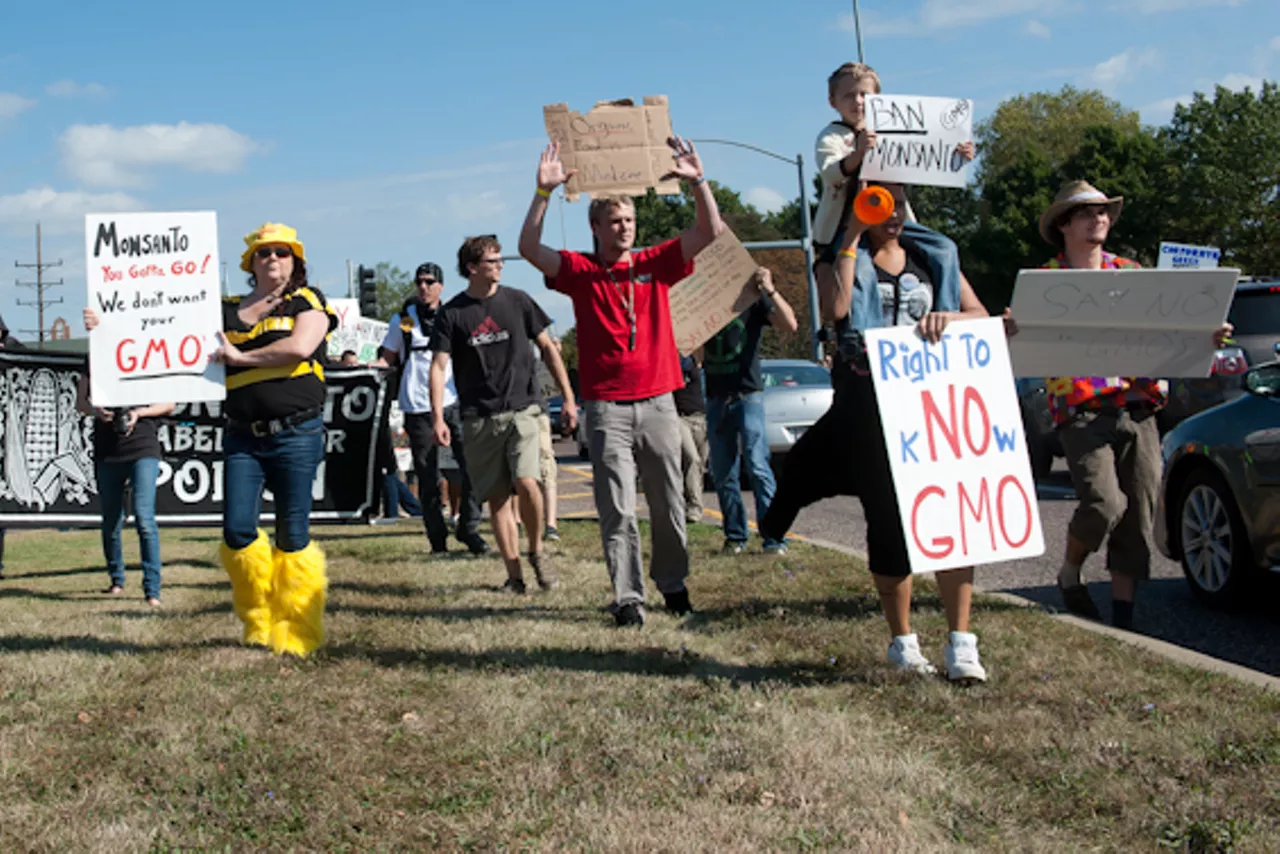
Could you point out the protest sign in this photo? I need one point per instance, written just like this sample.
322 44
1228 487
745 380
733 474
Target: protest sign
718 290
917 139
361 335
47 472
1181 256
956 447
1127 323
153 280
346 309
617 147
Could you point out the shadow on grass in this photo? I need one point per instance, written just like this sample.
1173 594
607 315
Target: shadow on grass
10 575
860 607
376 589
647 662
101 646
94 595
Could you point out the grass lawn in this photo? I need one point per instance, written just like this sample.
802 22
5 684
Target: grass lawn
445 715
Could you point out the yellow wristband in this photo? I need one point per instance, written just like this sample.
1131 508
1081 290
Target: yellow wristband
546 194
849 253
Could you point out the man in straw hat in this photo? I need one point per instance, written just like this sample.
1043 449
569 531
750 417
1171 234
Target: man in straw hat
1107 426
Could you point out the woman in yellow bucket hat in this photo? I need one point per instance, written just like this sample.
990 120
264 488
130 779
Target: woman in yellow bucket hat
273 340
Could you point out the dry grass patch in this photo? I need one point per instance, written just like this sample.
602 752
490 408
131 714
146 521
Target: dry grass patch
444 714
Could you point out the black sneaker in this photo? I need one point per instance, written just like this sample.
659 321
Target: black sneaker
678 602
475 544
551 535
515 585
629 615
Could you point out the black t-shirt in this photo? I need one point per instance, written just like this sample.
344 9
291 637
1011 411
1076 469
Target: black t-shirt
690 399
142 442
731 359
489 341
910 292
260 394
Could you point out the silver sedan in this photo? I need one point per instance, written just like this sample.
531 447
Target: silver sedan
796 394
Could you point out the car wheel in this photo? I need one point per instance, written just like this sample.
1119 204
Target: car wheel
1215 548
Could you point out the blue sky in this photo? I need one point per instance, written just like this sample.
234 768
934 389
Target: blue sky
388 131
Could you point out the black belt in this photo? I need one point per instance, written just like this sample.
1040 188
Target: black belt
274 425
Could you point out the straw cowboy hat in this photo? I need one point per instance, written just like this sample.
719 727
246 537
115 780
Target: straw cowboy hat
266 235
1073 195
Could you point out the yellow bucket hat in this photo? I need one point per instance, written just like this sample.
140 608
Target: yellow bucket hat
266 234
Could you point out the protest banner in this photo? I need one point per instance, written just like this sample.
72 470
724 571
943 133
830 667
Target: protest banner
1182 256
153 280
718 290
917 139
346 309
618 148
956 447
47 474
1127 323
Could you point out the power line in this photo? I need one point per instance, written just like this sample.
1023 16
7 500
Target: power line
39 284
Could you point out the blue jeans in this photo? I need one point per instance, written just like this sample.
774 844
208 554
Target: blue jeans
396 493
728 420
141 475
286 464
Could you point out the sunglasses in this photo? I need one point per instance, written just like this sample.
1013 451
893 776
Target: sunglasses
426 281
279 251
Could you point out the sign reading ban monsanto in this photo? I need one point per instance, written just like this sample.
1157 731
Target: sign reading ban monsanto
46 459
956 447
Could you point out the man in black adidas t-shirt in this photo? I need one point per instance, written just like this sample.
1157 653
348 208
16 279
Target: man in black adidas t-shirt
487 330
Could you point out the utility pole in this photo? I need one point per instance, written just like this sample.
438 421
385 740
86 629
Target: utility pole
857 29
39 284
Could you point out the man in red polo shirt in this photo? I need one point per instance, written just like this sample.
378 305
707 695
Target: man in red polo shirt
628 366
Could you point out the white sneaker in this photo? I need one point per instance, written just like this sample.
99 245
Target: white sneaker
961 656
904 654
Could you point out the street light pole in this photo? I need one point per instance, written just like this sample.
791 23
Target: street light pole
857 29
805 243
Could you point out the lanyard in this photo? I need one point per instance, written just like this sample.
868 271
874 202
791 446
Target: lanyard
628 298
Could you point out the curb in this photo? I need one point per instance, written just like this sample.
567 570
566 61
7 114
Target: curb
1164 649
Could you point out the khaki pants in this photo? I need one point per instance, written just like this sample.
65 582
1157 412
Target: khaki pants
547 458
693 462
1114 456
500 449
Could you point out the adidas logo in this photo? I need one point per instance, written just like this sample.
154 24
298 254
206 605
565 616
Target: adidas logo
488 332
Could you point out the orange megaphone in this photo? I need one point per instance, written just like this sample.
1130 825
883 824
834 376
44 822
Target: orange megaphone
873 205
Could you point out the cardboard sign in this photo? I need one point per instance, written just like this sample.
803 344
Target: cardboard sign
346 309
718 290
917 139
1118 323
153 280
617 148
1181 256
956 447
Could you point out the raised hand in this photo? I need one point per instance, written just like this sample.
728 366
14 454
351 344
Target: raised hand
967 151
688 166
551 171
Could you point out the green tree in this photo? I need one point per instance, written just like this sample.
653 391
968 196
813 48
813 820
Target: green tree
569 349
1052 123
660 218
394 287
1225 152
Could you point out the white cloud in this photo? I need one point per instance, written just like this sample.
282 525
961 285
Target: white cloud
72 89
59 212
1120 68
764 199
939 15
1037 29
1275 43
105 156
11 105
1240 82
1153 7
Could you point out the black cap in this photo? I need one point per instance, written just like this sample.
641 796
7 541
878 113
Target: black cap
429 269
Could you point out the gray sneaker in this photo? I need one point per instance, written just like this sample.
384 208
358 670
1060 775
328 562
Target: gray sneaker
733 547
544 571
775 549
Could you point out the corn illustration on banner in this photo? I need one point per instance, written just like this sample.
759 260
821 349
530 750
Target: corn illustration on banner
47 476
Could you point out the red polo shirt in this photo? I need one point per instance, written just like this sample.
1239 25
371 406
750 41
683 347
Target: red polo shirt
607 368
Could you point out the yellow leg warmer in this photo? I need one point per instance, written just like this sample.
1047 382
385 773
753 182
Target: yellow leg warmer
250 571
297 601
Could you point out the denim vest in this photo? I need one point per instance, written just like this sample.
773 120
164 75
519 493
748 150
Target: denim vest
864 307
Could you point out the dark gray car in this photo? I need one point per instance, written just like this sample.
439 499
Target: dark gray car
1220 498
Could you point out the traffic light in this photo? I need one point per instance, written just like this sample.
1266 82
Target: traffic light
368 291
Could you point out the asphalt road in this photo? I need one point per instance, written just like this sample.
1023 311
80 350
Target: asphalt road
1248 636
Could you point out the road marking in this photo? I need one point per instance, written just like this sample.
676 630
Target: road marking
573 495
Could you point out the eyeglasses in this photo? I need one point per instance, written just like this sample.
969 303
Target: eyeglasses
266 252
497 261
426 281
